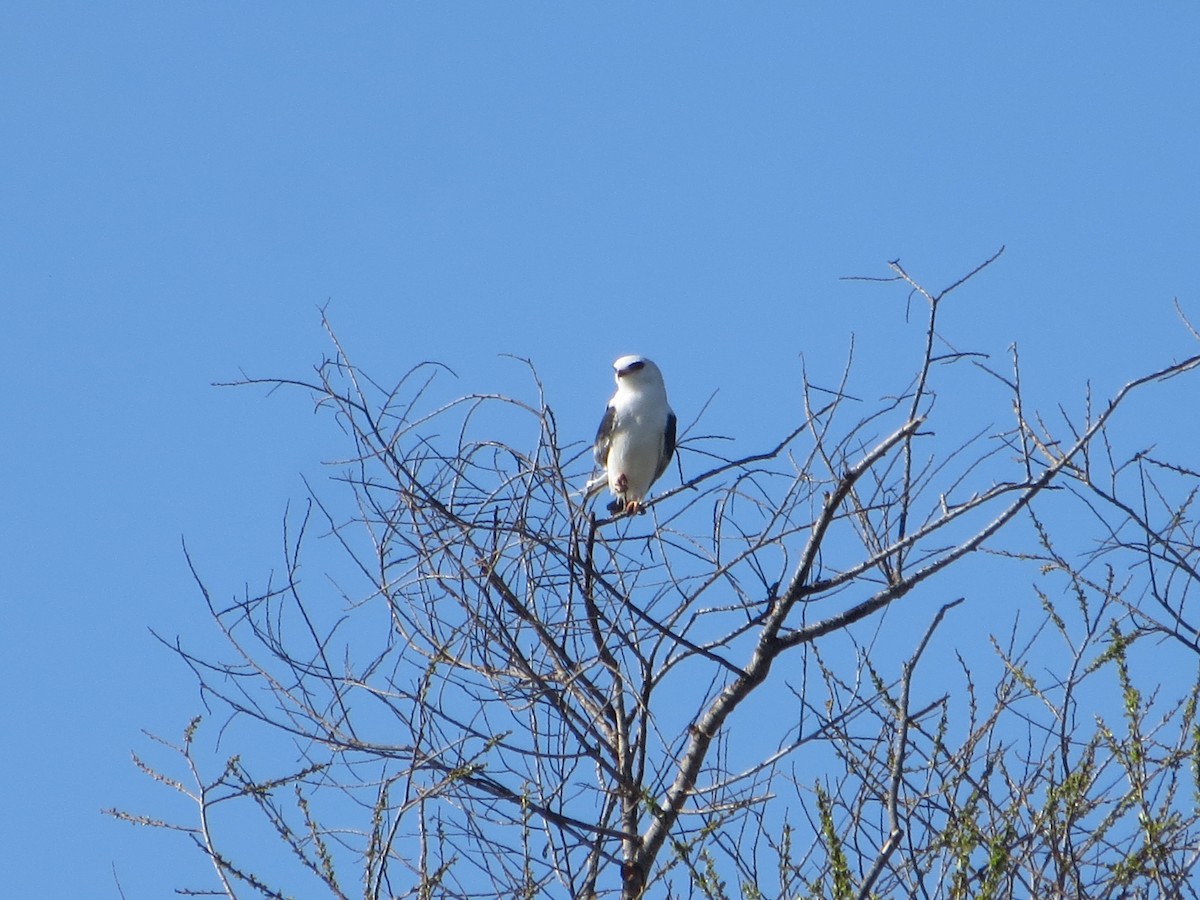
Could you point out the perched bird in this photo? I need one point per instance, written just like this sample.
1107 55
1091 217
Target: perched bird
636 436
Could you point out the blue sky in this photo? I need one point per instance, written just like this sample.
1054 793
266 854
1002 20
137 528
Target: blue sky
184 185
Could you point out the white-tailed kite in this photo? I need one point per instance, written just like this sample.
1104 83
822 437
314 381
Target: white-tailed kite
636 436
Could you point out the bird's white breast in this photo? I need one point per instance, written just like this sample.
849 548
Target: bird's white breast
636 447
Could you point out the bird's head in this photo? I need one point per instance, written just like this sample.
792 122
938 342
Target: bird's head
637 372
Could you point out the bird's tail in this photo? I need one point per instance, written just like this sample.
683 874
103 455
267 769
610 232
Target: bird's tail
595 485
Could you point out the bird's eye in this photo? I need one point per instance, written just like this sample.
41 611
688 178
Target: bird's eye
634 366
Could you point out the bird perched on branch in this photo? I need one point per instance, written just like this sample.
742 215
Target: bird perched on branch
637 435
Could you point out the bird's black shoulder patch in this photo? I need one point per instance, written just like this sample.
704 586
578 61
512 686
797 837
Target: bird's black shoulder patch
604 436
668 445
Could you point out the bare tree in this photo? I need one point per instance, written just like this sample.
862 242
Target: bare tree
495 692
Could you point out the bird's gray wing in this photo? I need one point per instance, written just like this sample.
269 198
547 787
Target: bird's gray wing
604 436
668 449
